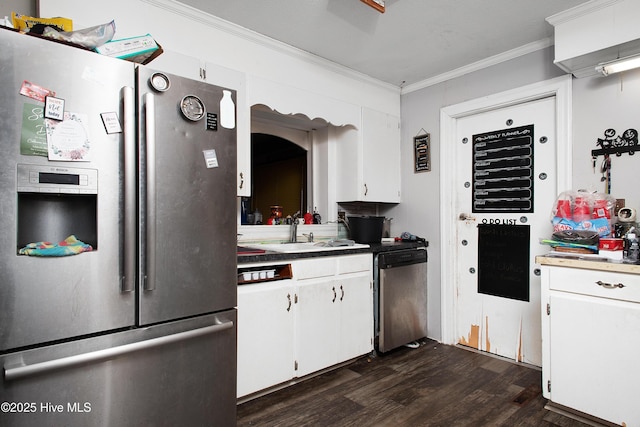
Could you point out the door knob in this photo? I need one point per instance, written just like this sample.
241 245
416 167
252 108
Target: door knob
466 217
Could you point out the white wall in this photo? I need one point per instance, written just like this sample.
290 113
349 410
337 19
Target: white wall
600 103
23 7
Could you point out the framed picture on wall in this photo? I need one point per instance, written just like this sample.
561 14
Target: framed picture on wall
422 152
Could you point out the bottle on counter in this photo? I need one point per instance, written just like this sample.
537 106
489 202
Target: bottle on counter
257 217
631 249
308 218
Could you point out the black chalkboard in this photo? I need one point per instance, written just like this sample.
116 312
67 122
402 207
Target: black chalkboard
503 171
503 260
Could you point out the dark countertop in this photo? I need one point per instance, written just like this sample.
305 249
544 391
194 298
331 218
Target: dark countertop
374 248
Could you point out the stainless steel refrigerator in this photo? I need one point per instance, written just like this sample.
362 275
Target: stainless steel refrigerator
136 165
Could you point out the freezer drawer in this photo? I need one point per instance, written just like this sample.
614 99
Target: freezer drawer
181 373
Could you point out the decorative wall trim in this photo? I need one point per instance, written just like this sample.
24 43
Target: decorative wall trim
479 65
578 11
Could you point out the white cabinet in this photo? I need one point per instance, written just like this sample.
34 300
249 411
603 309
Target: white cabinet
334 311
292 328
368 166
578 49
317 325
265 335
193 68
334 321
590 354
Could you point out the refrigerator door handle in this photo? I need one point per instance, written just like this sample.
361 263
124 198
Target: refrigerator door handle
128 283
20 372
150 131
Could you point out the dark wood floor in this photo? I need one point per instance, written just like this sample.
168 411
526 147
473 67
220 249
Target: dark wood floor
434 385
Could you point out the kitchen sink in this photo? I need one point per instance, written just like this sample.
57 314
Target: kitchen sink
332 245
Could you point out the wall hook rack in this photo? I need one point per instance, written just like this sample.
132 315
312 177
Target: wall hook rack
612 144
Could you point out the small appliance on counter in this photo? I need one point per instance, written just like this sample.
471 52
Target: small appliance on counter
366 229
626 221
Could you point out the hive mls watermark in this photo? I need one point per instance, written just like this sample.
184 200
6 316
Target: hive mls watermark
45 407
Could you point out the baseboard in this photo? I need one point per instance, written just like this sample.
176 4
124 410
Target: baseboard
577 415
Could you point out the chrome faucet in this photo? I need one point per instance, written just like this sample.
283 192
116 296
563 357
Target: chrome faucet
293 228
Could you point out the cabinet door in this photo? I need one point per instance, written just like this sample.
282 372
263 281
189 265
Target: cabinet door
232 79
265 335
179 64
594 356
380 156
356 314
317 325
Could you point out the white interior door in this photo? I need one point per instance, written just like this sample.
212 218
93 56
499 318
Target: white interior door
505 185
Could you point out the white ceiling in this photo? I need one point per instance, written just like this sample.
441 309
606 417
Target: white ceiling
413 41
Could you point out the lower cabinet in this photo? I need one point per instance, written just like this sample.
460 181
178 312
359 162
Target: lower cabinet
591 321
334 321
292 328
265 335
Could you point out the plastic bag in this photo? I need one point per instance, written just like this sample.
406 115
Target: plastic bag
25 23
582 210
91 37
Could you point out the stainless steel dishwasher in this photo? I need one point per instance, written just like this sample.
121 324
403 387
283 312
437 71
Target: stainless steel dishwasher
402 294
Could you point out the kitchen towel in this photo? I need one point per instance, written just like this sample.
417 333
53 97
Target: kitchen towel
69 246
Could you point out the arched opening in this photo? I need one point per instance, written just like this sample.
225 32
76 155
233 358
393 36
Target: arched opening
279 170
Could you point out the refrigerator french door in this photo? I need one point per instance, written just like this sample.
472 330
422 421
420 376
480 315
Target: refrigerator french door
140 330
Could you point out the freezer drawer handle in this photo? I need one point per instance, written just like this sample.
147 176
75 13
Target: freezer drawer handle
19 372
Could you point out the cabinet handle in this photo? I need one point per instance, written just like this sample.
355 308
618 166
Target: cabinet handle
335 295
366 189
341 290
609 285
241 180
289 298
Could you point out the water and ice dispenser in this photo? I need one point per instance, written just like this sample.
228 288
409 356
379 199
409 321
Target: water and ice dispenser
56 202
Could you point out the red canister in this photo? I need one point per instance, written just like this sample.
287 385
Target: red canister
610 244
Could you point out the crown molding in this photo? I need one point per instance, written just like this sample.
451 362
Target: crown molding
580 10
479 65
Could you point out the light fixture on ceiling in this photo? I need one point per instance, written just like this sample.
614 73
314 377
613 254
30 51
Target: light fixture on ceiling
619 65
376 4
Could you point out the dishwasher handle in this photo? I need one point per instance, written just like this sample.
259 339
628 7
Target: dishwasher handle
401 258
25 371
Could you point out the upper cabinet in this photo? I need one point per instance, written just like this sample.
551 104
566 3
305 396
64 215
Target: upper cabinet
196 69
595 32
368 160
